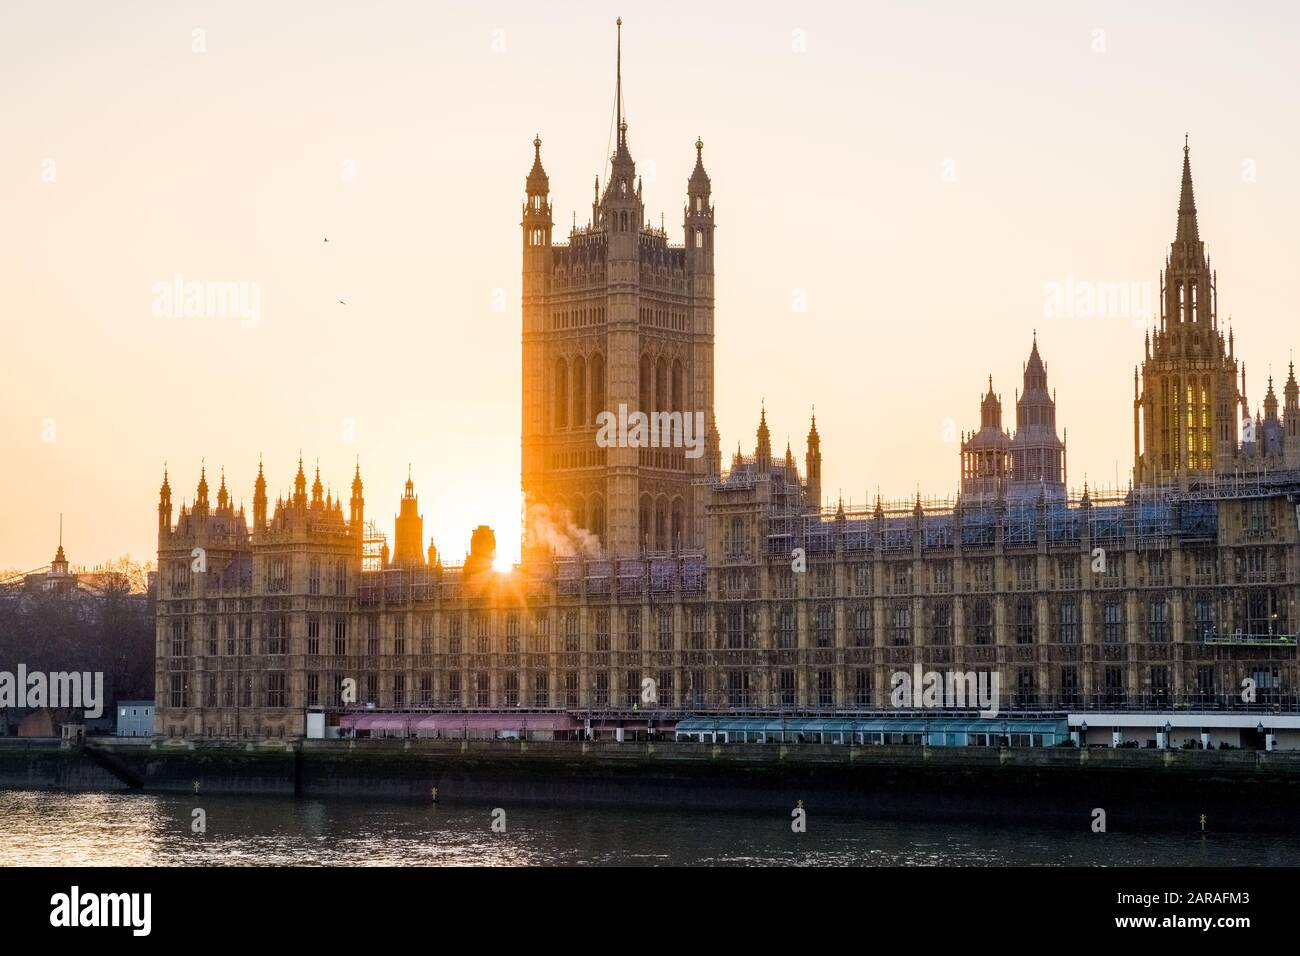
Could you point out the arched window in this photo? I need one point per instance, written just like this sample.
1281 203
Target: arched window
579 512
661 524
661 385
561 394
598 518
679 400
678 523
699 238
647 385
597 376
644 524
579 392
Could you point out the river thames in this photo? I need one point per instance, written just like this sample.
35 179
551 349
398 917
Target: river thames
136 829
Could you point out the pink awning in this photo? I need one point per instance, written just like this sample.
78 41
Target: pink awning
495 722
368 722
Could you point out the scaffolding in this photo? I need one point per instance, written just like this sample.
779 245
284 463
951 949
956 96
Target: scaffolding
1148 518
373 544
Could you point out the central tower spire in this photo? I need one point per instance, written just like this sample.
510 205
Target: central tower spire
618 81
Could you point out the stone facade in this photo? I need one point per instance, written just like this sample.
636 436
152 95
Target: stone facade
1147 599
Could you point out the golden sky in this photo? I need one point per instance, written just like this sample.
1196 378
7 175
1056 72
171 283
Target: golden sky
897 185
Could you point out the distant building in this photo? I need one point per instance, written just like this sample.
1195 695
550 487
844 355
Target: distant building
135 718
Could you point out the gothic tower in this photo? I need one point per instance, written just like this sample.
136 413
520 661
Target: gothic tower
1185 406
1037 453
618 321
409 528
986 454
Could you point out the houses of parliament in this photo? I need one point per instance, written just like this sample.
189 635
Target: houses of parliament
731 588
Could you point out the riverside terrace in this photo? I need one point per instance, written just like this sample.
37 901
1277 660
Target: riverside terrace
1209 726
1154 600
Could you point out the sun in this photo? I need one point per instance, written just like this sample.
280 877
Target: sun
501 564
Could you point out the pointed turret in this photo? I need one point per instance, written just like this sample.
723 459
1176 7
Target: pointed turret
201 499
699 221
357 512
1291 419
813 467
536 220
763 449
164 504
259 499
223 496
300 486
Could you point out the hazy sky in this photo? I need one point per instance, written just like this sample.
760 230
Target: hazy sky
896 186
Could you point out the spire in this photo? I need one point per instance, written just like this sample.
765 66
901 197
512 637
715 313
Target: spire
699 181
1187 231
259 498
763 450
538 183
60 563
618 84
410 485
356 514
